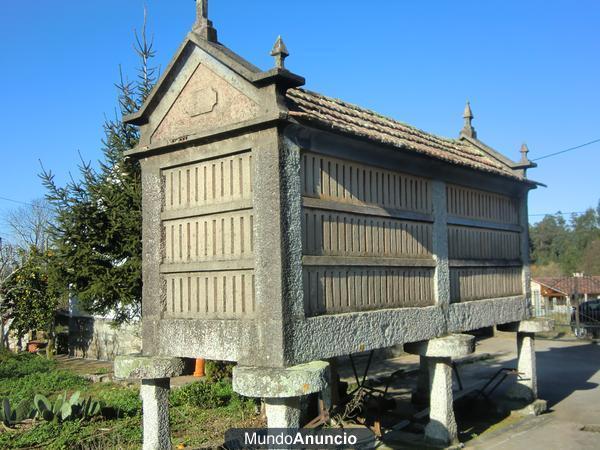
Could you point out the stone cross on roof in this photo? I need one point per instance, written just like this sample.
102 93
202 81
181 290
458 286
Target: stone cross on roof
468 129
204 27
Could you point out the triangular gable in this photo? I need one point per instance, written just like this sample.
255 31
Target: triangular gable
205 87
490 152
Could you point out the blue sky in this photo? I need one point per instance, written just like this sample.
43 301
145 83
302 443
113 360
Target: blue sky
531 70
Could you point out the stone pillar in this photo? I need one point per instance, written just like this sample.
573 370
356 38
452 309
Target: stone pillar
438 353
155 413
283 412
442 424
282 388
155 373
524 250
441 280
525 389
421 395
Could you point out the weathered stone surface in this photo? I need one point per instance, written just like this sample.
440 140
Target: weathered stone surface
420 395
293 381
283 412
526 386
441 280
528 326
356 332
147 367
155 408
441 428
452 346
486 313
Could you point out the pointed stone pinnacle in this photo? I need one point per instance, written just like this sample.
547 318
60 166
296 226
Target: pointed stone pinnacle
468 114
524 151
280 52
204 27
468 129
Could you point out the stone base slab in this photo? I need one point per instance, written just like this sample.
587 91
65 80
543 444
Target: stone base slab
271 382
147 367
527 326
451 346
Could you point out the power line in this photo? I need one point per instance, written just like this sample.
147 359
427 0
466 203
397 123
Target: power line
567 150
558 212
14 201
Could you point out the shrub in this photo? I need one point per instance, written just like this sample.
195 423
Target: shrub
125 402
16 365
204 394
218 370
44 382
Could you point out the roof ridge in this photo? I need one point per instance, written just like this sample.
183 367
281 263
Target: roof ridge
350 118
377 114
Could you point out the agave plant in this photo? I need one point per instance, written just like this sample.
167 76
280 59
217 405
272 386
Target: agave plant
9 417
66 408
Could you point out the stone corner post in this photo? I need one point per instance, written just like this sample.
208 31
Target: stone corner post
155 373
282 389
526 388
441 429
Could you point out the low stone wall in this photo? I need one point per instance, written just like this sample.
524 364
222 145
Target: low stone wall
96 338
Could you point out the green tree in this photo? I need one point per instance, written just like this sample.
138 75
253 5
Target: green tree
97 230
31 295
572 247
548 239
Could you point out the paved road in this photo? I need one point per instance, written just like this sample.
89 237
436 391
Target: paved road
569 379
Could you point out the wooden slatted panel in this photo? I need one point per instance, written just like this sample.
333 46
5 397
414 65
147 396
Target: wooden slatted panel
340 234
211 295
468 284
208 182
476 204
211 237
346 181
481 243
331 290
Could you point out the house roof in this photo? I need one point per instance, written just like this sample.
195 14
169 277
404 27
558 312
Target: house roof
338 115
332 114
571 285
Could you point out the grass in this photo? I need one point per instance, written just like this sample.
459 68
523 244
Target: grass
200 412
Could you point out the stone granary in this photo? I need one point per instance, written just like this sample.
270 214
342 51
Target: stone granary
282 227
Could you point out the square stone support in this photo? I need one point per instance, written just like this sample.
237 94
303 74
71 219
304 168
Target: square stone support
283 389
441 428
155 414
526 386
283 412
438 354
421 395
155 373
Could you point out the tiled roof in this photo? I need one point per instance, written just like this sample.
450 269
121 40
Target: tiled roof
335 114
570 285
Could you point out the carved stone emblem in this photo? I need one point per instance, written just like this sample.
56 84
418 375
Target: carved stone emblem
201 102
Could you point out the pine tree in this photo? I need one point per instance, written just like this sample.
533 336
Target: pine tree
96 236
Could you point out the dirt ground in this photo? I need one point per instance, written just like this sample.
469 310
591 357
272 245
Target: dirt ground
568 378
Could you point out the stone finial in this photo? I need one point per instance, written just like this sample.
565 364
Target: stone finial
468 129
280 52
204 27
524 151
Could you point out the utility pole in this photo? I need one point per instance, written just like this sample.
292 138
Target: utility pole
576 298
